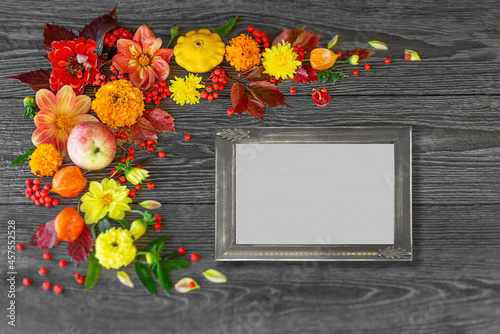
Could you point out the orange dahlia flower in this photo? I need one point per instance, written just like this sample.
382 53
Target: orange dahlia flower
58 115
143 58
74 64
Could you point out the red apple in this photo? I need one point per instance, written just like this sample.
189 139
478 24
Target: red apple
91 145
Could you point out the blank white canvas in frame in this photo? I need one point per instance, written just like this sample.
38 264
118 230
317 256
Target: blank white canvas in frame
315 194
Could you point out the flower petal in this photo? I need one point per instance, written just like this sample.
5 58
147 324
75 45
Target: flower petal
124 63
215 276
44 136
186 284
136 79
142 33
65 100
61 142
45 99
150 45
129 48
150 204
45 119
82 106
96 188
82 118
164 53
161 68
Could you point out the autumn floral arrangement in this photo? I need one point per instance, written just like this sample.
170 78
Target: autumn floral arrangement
121 77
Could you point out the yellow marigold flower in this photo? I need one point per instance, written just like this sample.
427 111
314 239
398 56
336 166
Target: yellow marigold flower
118 103
280 61
105 198
184 90
243 53
115 248
45 160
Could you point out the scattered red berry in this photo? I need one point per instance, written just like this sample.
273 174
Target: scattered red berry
338 53
77 275
46 285
192 285
230 111
157 226
20 247
387 60
63 263
158 218
131 151
131 194
194 257
137 187
55 202
324 90
80 280
58 289
26 281
355 72
122 179
151 185
47 256
293 90
150 149
368 66
407 56
181 250
43 271
162 154
187 136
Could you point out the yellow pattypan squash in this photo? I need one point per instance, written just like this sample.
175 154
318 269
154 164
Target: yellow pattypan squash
199 51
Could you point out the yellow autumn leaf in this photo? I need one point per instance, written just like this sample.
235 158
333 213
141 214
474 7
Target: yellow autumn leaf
186 284
333 41
414 56
378 45
215 276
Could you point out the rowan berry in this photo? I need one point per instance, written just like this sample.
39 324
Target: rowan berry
137 187
181 250
58 289
46 285
47 256
55 202
187 136
367 66
203 95
63 263
230 111
150 149
194 257
123 160
150 142
26 281
122 179
161 154
387 60
151 185
157 226
20 247
355 72
80 280
131 194
293 90
407 56
250 29
43 271
124 136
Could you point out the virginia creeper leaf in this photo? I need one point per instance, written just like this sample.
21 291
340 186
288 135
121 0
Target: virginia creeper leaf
267 93
82 246
45 236
308 40
257 74
141 131
36 79
161 120
23 158
362 53
223 30
288 35
255 108
305 74
93 272
145 277
238 98
52 33
98 28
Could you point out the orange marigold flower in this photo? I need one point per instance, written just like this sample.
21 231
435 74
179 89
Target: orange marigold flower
58 115
74 64
45 160
118 103
243 53
143 58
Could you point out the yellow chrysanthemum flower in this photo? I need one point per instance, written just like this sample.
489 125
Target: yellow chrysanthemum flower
280 61
118 103
115 248
243 53
45 160
105 198
184 90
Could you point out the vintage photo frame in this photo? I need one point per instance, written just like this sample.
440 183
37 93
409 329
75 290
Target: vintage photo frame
226 143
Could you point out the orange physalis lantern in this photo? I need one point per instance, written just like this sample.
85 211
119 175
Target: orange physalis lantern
322 59
68 224
68 181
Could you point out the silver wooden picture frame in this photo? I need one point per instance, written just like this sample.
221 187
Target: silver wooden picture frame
252 161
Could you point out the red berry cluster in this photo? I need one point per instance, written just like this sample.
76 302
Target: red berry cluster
40 195
121 135
130 155
300 50
111 37
79 278
259 37
149 145
159 92
157 225
219 79
101 79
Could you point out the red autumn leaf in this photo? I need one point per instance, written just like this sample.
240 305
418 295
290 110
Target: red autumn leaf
255 108
161 120
36 79
141 131
257 74
53 33
81 247
45 236
98 28
362 53
308 40
305 74
267 93
238 98
288 35
321 99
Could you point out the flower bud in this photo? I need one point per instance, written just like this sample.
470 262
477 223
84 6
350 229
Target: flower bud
138 228
125 279
149 258
215 276
29 102
353 60
150 204
136 175
321 99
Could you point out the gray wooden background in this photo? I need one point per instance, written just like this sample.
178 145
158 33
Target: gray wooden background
450 99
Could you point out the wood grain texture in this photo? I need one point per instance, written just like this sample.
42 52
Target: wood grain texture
450 99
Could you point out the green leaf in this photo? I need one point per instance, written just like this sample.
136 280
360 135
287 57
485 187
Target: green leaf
170 255
323 76
145 277
177 264
174 32
155 242
162 272
23 158
104 225
226 28
93 273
